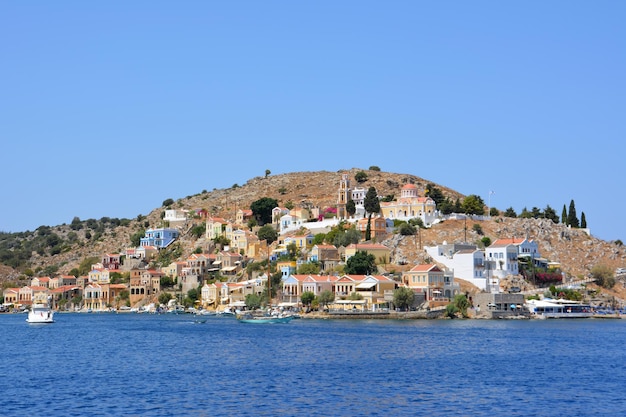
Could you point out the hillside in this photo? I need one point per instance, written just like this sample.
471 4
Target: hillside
575 250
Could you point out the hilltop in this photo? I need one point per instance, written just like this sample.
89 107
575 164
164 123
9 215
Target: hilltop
577 252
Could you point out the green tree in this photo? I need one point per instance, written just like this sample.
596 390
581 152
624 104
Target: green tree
451 311
76 224
550 213
307 298
493 212
406 229
319 238
268 233
267 173
199 230
371 203
603 276
165 298
473 204
446 206
262 209
326 297
572 220
350 207
536 213
435 194
525 214
374 168
417 222
193 295
564 215
167 281
168 202
583 220
510 212
460 304
115 277
135 238
253 301
292 251
309 268
403 298
360 176
361 263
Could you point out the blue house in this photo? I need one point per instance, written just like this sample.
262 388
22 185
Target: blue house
160 238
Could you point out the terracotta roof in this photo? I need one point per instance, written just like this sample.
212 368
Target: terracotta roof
426 268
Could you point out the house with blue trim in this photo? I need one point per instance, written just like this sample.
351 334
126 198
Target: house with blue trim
160 238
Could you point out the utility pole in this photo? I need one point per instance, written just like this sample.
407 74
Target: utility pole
465 228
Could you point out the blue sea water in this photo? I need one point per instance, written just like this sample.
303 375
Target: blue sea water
168 365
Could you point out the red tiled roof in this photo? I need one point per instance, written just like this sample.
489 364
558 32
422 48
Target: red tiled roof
426 268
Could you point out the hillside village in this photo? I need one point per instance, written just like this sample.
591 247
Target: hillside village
442 259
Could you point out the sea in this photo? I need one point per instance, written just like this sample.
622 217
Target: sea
127 364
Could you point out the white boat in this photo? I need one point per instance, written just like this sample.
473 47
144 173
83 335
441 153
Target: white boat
558 309
264 319
40 312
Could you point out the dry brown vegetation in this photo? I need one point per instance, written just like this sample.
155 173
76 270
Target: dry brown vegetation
575 250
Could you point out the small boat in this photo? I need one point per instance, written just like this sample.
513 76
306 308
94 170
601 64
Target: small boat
40 312
249 318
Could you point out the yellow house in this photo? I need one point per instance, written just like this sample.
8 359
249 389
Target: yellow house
373 288
428 279
215 227
381 253
378 228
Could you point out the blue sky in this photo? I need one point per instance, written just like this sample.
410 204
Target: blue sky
107 108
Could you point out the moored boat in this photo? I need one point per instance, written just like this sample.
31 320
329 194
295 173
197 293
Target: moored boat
558 309
40 312
272 319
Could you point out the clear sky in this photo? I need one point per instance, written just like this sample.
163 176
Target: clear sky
107 108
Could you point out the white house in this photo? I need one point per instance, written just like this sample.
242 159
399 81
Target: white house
468 263
501 259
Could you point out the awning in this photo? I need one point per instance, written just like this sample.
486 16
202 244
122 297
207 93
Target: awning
350 302
365 285
436 292
217 263
229 268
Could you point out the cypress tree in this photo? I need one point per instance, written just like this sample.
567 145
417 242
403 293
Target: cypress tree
371 204
583 220
572 220
564 216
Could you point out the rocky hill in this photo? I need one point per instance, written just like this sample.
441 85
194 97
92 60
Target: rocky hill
574 249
